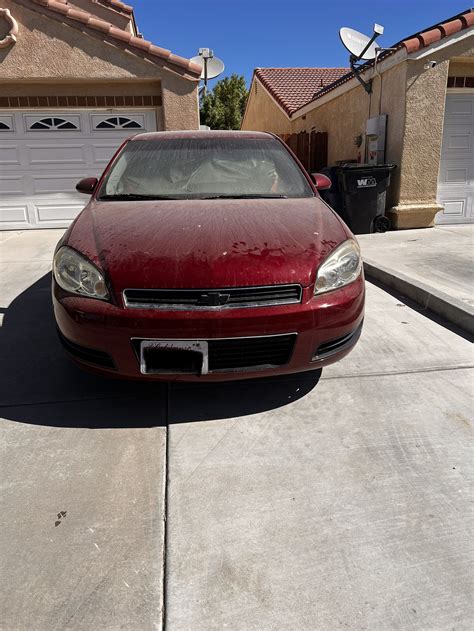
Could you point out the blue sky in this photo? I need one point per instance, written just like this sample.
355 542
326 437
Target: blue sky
247 34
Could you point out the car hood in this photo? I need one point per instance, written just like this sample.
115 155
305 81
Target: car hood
207 243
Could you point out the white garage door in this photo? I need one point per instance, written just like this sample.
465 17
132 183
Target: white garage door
43 155
456 177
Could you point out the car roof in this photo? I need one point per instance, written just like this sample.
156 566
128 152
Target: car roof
172 135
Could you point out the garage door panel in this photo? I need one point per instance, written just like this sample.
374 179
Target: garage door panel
459 106
56 183
457 138
57 154
455 207
12 185
456 177
14 214
57 213
42 158
455 172
9 154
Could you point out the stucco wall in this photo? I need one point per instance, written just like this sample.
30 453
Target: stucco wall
180 103
262 113
343 118
48 51
425 101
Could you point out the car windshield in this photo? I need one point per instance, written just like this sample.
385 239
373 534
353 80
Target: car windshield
204 168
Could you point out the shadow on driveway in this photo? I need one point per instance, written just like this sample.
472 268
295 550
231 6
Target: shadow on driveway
41 385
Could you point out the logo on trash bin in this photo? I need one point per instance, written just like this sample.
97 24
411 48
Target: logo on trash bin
366 182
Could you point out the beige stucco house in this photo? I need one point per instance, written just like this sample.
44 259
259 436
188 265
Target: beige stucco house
424 86
77 78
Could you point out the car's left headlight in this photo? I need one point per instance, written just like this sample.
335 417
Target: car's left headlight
340 268
76 274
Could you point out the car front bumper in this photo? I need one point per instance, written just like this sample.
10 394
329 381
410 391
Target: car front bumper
103 337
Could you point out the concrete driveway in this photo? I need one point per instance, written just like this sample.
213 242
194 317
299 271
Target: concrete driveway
289 503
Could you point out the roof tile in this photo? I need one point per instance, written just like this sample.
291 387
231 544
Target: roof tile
79 15
140 45
294 87
60 7
124 36
454 26
99 25
430 37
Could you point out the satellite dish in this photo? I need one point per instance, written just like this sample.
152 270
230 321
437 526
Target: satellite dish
356 43
215 66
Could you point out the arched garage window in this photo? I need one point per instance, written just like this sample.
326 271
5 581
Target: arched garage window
53 124
118 122
6 123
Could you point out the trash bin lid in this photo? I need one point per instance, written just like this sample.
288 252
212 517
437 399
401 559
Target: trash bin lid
366 167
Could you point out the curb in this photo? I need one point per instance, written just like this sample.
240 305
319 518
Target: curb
451 309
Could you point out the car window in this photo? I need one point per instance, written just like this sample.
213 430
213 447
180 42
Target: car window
193 168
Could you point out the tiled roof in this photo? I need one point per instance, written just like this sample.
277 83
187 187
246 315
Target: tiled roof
116 4
135 44
412 44
294 87
438 31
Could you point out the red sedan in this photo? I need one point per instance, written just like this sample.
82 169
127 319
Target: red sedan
207 256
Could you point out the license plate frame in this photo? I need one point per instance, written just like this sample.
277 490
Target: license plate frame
197 346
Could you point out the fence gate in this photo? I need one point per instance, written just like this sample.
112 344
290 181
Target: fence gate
310 149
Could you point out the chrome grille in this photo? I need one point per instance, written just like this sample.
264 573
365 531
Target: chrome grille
228 298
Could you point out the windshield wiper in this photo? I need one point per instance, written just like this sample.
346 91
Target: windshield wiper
134 196
245 196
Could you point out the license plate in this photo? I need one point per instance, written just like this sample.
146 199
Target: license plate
174 352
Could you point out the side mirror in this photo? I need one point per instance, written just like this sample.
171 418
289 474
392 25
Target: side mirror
87 185
322 182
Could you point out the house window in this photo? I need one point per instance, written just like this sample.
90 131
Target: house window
4 126
53 123
118 122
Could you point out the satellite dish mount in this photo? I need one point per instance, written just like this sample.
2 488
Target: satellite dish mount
361 48
211 66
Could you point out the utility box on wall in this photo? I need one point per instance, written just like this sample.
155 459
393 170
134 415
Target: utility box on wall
375 139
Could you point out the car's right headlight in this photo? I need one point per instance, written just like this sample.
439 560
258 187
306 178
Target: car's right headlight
76 274
342 267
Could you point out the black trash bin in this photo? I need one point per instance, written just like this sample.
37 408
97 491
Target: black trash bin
363 188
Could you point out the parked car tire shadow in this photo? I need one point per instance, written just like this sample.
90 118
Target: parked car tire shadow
41 385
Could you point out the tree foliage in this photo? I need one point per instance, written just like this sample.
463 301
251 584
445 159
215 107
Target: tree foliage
223 108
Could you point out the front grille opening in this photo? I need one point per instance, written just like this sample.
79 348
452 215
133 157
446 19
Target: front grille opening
175 360
86 354
250 353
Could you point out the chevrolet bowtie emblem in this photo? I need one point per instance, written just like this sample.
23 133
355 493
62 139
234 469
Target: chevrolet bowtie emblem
213 299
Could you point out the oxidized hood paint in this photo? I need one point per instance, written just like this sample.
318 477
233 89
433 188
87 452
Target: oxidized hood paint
207 243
